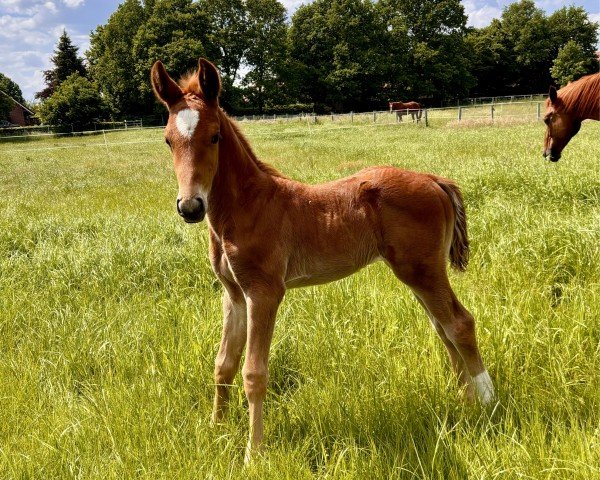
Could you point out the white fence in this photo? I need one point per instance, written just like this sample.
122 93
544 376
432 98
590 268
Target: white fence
485 113
465 115
540 97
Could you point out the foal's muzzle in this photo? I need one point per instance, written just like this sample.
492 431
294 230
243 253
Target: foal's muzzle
192 210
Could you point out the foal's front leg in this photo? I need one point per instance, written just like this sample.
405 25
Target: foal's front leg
262 309
232 345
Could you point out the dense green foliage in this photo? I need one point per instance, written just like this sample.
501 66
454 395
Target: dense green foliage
66 63
516 52
338 55
266 52
11 91
110 318
75 102
571 63
112 63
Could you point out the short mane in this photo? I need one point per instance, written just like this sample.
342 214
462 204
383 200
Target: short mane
582 97
265 167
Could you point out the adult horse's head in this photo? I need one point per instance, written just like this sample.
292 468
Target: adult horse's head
192 133
561 126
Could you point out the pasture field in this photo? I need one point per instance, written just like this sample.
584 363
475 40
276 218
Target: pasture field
110 318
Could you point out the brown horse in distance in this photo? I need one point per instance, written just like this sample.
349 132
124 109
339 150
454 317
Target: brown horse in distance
269 233
414 108
566 109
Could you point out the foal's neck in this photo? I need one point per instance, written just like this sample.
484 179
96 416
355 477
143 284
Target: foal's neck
240 174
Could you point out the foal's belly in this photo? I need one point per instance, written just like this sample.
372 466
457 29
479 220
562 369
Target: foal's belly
324 271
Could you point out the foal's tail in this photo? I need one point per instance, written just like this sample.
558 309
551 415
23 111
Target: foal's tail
459 249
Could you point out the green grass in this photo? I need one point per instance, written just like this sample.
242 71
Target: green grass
110 318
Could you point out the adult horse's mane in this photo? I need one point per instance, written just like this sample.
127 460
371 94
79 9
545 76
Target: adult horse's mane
582 97
189 85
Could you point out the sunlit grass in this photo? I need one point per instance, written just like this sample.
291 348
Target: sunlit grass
110 318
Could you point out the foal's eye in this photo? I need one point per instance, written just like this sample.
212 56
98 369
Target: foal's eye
215 138
167 142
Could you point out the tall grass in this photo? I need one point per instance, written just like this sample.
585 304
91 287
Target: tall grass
110 319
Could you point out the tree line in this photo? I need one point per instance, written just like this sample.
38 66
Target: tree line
331 55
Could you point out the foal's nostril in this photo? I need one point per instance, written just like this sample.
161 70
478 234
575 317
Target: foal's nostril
192 209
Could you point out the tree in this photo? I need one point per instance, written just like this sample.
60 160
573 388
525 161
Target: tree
76 102
9 91
396 43
493 61
430 19
435 64
265 54
175 32
337 47
573 23
111 59
515 53
571 63
66 62
228 33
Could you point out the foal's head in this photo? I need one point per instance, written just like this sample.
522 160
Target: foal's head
560 126
192 133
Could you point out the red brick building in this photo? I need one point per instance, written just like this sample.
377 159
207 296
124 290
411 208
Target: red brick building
20 115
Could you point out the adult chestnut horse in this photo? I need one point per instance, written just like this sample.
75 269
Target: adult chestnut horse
269 233
401 108
566 109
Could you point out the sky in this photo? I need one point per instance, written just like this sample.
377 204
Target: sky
29 29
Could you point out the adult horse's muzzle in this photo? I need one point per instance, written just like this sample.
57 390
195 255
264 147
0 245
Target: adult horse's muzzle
192 210
553 157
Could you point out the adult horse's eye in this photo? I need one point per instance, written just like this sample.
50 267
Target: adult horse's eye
215 138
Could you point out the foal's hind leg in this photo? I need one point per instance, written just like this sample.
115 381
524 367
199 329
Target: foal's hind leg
458 365
454 324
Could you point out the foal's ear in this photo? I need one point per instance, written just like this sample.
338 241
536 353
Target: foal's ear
209 79
552 94
164 86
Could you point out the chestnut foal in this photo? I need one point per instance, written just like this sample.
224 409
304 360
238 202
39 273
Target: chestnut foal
269 233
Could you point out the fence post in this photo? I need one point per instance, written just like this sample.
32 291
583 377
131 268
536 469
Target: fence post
105 143
374 116
459 113
492 111
351 117
426 121
539 110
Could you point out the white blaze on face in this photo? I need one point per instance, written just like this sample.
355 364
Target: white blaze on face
186 122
